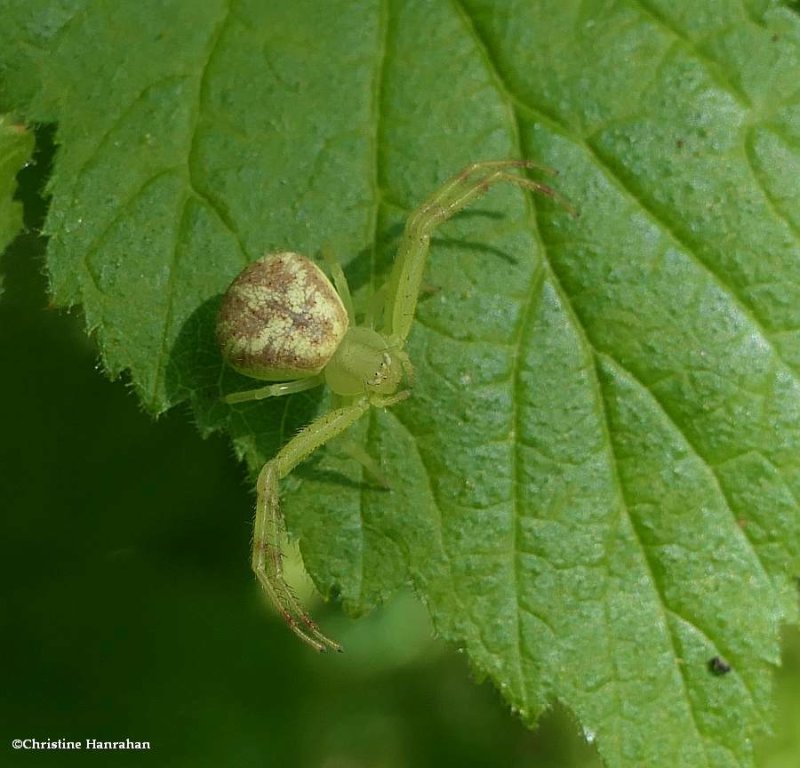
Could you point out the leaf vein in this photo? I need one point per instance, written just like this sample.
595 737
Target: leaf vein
714 69
758 177
377 120
719 486
690 251
617 178
116 122
163 354
215 205
660 602
439 517
727 654
527 315
120 211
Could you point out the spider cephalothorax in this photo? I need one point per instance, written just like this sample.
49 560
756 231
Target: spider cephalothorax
282 321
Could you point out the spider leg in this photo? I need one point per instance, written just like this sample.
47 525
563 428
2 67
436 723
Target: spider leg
268 563
440 208
408 369
340 281
267 559
542 189
371 468
487 167
454 195
375 306
274 390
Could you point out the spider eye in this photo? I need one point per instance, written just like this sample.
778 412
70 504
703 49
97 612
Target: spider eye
383 371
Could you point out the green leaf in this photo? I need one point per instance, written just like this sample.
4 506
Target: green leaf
16 145
595 485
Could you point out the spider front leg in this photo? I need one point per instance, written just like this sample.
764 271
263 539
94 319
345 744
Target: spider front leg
274 390
267 559
454 195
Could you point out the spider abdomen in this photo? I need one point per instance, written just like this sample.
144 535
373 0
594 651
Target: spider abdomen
280 319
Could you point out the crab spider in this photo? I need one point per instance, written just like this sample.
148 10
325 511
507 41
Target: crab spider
282 321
